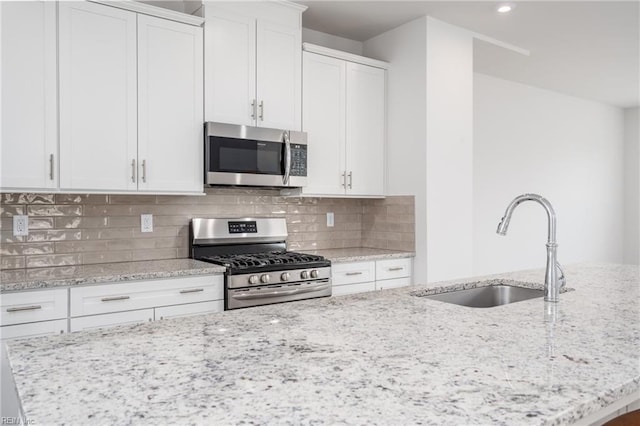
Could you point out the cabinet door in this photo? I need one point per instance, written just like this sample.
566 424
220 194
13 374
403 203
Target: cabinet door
189 309
365 130
98 111
279 75
324 121
170 110
110 320
29 142
33 329
230 66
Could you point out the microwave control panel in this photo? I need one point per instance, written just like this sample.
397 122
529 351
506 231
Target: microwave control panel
298 160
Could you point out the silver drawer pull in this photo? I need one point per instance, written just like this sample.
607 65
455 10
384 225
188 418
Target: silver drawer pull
24 308
397 268
353 273
195 290
111 299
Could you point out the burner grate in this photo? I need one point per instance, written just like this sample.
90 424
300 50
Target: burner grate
243 261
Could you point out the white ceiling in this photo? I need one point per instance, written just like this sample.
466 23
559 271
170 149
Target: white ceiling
589 49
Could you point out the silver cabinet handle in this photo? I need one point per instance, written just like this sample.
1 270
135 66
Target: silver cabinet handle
253 109
51 167
397 268
24 308
144 171
353 273
344 179
112 299
194 290
350 180
261 106
133 171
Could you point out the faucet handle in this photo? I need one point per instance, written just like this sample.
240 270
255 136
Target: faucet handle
561 278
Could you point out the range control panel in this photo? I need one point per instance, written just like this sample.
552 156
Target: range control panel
298 160
246 227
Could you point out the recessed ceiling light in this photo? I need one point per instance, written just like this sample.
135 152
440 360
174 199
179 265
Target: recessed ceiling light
505 8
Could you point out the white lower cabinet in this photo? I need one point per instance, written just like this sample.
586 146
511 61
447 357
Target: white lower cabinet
110 320
107 298
358 277
167 312
33 306
34 329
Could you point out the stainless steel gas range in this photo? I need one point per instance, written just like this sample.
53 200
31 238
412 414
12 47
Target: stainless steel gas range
260 270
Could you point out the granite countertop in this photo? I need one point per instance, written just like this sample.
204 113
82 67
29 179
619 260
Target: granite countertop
359 254
65 276
384 357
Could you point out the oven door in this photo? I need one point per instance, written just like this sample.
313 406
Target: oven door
244 155
268 294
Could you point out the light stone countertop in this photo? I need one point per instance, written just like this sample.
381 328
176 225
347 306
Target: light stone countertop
65 276
383 357
359 254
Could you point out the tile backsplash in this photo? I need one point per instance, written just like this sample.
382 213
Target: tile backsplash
71 229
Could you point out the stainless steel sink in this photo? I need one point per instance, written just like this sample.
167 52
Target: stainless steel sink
487 297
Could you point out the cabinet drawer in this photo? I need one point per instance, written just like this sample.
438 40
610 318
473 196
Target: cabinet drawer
32 306
34 329
396 282
340 290
167 312
107 298
350 273
393 268
110 320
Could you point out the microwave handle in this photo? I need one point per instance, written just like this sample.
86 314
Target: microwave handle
287 158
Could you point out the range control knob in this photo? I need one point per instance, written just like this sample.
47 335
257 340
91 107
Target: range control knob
265 278
285 276
314 273
253 279
304 275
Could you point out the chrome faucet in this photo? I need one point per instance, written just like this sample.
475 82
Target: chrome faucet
552 282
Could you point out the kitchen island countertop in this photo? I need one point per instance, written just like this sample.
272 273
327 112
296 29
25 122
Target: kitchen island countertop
385 357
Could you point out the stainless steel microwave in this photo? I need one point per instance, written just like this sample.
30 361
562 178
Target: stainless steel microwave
254 156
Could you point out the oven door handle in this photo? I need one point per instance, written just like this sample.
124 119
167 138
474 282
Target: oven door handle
276 293
287 157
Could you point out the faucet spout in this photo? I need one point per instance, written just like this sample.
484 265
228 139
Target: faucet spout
552 283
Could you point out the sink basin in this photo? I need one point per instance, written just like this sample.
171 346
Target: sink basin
487 297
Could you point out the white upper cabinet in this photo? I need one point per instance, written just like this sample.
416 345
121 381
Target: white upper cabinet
170 112
131 101
344 115
29 140
365 130
253 63
324 121
279 76
98 90
230 51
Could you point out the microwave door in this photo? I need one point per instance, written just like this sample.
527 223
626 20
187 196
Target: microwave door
245 162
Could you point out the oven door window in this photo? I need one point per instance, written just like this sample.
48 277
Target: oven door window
245 156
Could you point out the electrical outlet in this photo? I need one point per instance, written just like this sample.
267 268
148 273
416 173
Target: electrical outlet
20 225
330 219
146 223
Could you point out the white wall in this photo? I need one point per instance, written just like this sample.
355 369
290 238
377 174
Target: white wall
429 114
632 186
449 151
405 49
331 41
567 149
